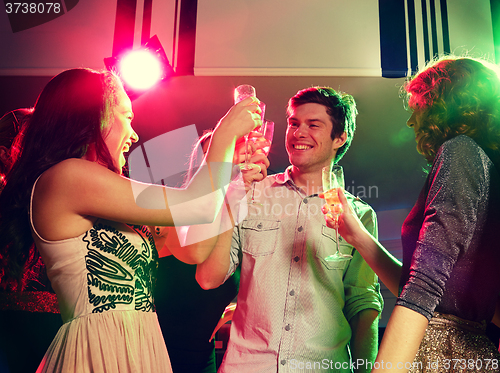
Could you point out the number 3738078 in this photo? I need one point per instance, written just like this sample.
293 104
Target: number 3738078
483 365
33 8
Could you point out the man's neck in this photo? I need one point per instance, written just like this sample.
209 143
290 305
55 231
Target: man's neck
308 181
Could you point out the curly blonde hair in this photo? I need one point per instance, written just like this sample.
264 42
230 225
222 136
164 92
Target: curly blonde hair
456 96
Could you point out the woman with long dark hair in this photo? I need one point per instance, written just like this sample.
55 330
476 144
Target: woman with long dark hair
449 281
66 195
31 314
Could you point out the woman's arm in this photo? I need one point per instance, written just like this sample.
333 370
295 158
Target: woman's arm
401 341
496 316
204 193
193 244
69 194
383 263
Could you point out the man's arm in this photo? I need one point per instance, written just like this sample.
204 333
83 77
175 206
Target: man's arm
212 272
194 244
404 331
364 302
364 339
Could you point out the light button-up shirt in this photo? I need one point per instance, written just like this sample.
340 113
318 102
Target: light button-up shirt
294 306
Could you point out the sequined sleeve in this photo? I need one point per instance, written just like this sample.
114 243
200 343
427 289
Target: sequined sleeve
455 192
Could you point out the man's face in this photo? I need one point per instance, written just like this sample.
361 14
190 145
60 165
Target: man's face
308 139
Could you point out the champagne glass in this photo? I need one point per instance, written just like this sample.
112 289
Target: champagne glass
240 93
332 181
267 131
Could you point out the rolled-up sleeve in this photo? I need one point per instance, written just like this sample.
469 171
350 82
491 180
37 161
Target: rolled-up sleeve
235 253
362 290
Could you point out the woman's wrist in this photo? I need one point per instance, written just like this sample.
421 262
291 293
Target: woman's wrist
362 239
223 135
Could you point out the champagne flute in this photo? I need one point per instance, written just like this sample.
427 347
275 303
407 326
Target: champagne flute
332 181
267 131
240 93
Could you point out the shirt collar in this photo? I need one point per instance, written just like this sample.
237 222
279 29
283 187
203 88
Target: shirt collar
285 176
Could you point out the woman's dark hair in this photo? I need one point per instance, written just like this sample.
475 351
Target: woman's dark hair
456 96
70 115
340 106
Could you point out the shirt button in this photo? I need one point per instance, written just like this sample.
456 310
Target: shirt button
283 362
292 293
306 200
300 229
296 259
287 328
259 226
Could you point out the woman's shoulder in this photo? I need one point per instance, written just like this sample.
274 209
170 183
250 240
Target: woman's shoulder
460 148
73 169
70 177
71 164
461 153
460 142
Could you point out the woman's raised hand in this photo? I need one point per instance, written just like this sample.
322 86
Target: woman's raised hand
241 118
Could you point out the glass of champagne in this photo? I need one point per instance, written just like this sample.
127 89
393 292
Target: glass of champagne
240 93
266 131
332 181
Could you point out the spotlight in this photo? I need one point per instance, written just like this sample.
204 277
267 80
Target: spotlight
141 69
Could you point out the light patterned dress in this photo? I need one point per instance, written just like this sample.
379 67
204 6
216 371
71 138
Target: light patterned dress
104 280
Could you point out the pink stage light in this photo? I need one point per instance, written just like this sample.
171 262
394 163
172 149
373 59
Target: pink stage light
140 69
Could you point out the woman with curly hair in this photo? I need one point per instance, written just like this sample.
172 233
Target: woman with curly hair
66 194
449 281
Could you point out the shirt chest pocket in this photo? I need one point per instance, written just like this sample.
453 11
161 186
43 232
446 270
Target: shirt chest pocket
259 236
328 247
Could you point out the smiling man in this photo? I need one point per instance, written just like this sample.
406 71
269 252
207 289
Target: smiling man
297 311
